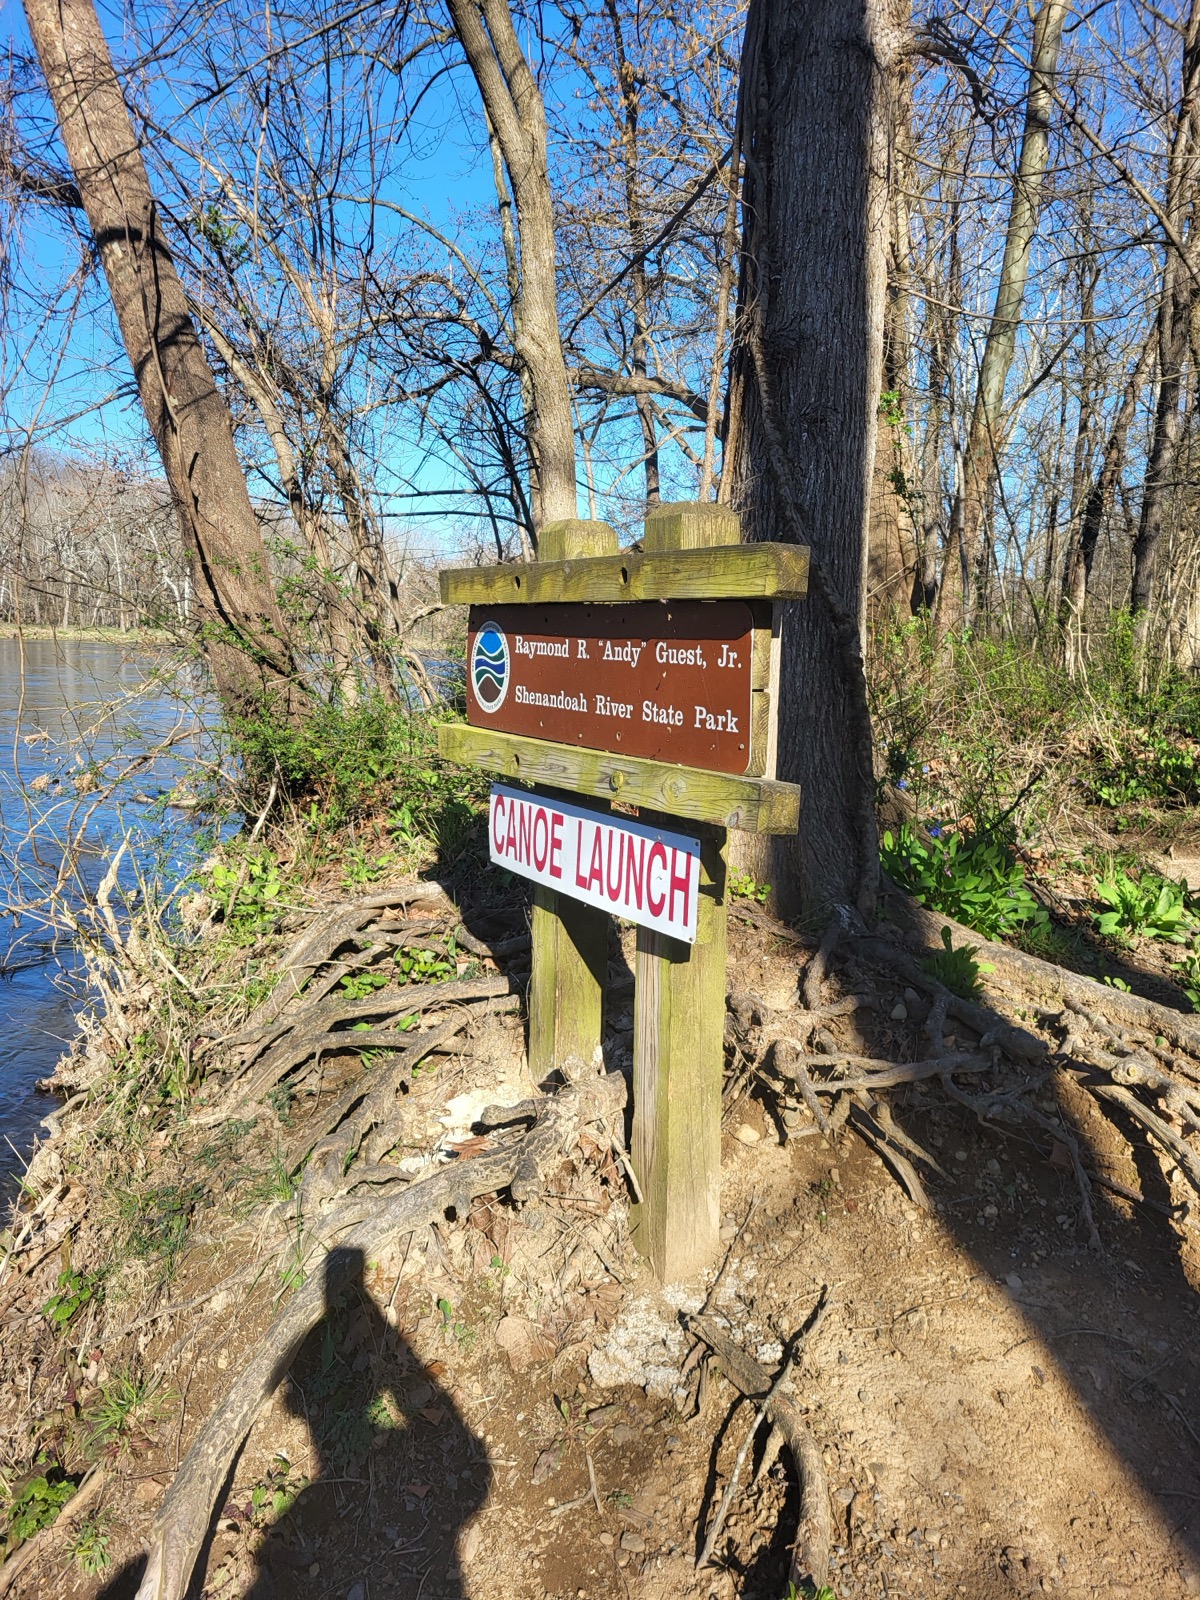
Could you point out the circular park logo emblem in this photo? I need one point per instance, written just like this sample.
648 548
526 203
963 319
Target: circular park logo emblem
490 667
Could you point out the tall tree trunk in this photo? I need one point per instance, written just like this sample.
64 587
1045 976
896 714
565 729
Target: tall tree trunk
1077 569
640 343
515 110
804 403
239 621
966 559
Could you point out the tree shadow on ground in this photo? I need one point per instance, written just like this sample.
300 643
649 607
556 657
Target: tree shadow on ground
1121 1324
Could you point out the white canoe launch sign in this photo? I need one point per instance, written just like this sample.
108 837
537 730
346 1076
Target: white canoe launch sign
647 875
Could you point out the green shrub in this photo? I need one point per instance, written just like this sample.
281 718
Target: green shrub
957 969
1148 905
354 760
970 877
1157 768
37 1505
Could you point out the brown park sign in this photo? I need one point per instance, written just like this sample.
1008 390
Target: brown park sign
669 681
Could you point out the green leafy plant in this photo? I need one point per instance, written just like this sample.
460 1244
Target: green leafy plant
37 1505
1187 974
276 1494
957 969
425 966
745 887
248 890
1148 905
808 1591
358 985
119 1421
970 877
72 1292
1154 768
90 1545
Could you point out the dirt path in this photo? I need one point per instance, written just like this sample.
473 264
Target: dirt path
500 1410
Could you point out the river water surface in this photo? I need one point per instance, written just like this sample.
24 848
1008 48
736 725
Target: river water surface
75 717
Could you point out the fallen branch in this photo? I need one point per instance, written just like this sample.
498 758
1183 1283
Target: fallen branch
814 1534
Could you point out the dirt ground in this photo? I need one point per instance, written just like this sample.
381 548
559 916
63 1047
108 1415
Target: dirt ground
504 1410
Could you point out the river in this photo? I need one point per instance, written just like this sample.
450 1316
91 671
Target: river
74 715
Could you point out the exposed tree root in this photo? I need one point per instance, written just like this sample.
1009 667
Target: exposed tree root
356 1228
814 1535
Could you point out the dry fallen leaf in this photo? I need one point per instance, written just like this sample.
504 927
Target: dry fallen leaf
524 1342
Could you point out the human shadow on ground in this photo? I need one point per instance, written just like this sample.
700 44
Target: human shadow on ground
398 1473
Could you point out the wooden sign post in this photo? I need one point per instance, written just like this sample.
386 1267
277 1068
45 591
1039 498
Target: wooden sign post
646 679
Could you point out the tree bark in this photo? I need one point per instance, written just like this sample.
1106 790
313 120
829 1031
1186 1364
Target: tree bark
1176 307
515 110
239 621
804 402
966 559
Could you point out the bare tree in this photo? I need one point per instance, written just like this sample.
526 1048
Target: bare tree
235 602
979 462
817 84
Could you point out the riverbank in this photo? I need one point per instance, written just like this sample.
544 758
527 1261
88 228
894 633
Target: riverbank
276 1133
132 637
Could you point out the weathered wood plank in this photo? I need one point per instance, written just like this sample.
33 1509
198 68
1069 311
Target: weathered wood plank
567 541
690 525
721 572
566 988
569 940
678 1061
756 805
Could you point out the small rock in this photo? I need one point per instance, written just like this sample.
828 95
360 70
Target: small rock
147 1491
960 1155
606 1539
634 1543
745 1134
469 1547
1015 1282
222 1360
623 1433
315 1570
356 1591
865 1396
899 1012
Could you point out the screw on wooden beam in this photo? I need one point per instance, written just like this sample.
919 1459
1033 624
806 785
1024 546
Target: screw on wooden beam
569 939
679 1021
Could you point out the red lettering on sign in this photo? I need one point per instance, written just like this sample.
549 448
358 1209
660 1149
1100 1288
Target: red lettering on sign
580 880
680 881
657 850
612 888
539 855
497 818
556 845
635 876
525 825
596 865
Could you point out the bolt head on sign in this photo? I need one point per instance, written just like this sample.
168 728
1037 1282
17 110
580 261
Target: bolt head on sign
664 681
650 876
